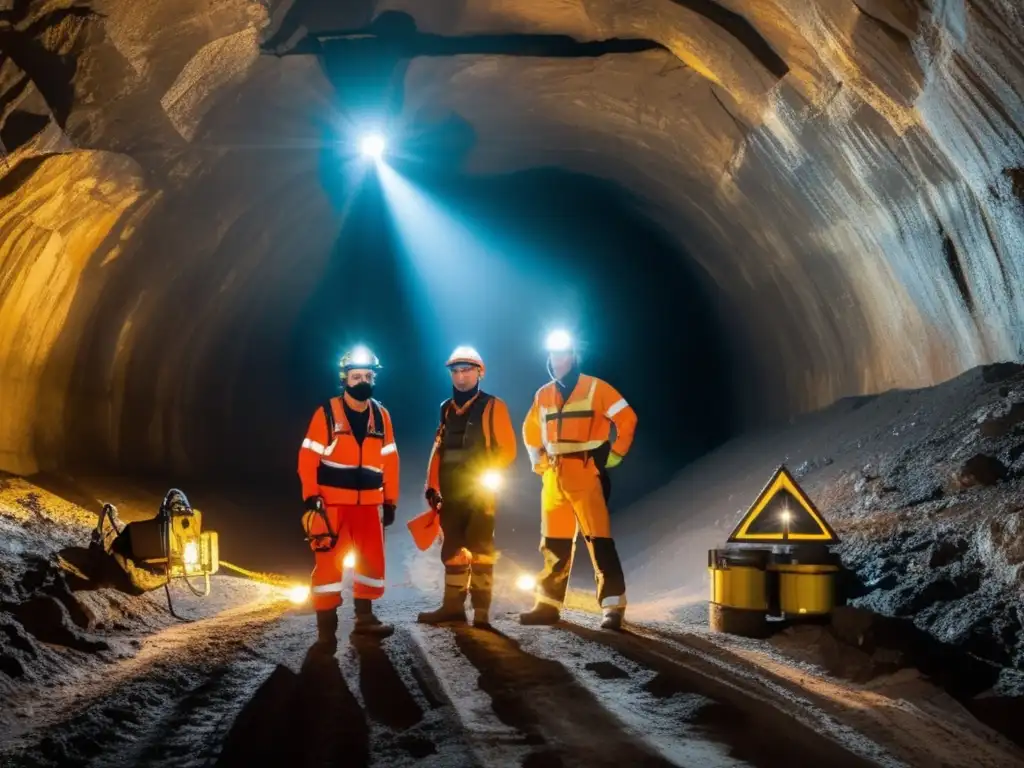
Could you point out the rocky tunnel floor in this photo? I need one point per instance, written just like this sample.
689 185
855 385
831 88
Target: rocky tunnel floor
244 686
95 677
238 683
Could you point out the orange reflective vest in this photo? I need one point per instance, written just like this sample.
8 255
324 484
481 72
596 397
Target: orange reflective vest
556 427
332 464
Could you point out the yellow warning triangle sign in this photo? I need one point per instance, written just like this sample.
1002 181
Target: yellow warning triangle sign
783 512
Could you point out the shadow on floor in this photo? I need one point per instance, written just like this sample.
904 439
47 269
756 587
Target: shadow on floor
305 719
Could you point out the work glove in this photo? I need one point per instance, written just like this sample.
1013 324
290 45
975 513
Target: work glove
433 498
314 503
387 514
613 460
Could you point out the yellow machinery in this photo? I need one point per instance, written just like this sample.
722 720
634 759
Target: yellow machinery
172 545
148 554
777 563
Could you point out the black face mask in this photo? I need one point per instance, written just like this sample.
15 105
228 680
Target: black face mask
361 391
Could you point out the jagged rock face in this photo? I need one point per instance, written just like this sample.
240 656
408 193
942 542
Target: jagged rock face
846 172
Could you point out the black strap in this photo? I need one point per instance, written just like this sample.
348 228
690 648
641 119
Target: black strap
490 426
329 418
439 434
378 420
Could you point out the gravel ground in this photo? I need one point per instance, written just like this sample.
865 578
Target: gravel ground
925 488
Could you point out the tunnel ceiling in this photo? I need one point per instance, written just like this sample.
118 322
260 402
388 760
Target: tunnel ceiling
846 172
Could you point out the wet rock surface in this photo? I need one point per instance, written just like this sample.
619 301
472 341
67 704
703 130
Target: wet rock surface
933 579
932 534
800 152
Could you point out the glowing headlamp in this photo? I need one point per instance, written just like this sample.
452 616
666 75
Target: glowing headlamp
361 356
559 341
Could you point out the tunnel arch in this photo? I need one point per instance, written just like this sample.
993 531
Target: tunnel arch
828 191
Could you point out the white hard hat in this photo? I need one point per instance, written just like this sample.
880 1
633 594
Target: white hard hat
359 357
466 356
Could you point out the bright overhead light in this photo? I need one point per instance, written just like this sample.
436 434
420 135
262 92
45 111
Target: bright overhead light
373 145
558 341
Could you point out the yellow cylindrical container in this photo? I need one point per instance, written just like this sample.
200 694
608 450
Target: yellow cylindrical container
740 587
739 600
806 590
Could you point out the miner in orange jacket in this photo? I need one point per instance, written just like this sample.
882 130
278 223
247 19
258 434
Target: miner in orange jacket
567 433
473 444
348 464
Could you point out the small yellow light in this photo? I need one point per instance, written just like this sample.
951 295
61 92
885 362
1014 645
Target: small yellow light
298 594
350 560
491 480
526 582
191 554
785 516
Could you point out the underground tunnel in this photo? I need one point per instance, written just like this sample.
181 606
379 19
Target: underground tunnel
770 224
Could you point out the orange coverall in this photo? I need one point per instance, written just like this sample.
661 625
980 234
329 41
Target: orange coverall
567 439
354 480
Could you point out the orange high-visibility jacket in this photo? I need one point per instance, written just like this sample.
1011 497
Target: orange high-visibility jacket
583 423
333 465
499 435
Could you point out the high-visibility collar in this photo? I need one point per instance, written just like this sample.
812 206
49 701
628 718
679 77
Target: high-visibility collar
574 408
374 424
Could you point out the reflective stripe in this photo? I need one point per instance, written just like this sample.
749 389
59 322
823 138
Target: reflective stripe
610 413
460 580
368 581
336 465
585 404
388 449
324 589
557 449
314 446
534 454
614 602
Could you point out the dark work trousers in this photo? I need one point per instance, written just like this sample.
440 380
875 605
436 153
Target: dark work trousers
468 549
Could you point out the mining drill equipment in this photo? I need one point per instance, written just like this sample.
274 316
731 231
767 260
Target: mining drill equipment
171 545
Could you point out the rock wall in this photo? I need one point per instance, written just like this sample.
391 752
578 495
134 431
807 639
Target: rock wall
847 172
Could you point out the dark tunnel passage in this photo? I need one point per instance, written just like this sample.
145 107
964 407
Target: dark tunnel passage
573 251
787 233
425 257
194 258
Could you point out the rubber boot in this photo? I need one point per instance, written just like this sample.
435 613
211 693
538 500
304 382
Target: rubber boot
327 630
367 624
612 619
453 608
542 614
481 584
